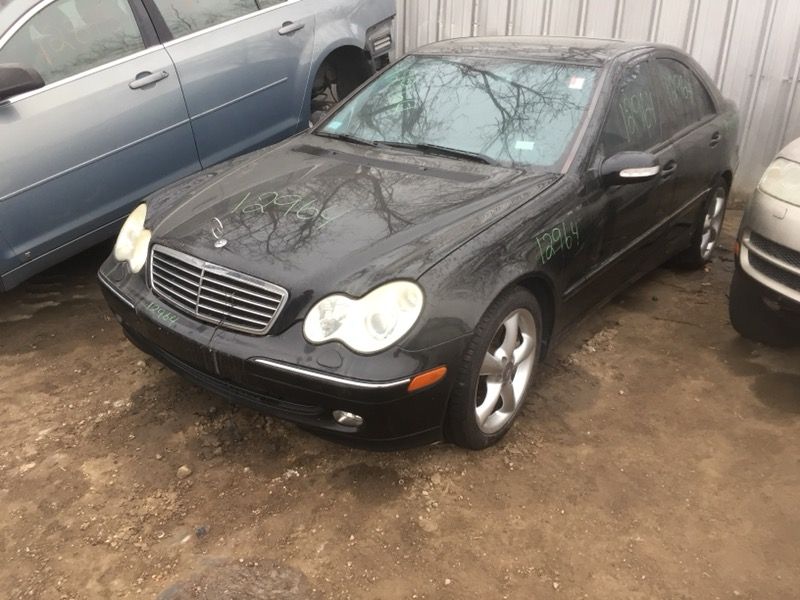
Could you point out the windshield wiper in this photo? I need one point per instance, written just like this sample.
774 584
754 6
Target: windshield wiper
345 137
442 150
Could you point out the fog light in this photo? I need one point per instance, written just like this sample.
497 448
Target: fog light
347 418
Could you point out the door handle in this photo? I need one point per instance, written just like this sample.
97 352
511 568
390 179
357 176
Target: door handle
715 139
290 27
669 169
147 78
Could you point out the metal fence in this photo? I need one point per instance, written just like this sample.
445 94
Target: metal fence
750 47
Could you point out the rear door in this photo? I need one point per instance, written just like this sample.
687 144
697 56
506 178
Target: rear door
109 127
244 66
692 125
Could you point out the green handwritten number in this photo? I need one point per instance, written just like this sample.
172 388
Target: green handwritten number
271 200
549 251
161 314
294 205
290 201
566 237
556 233
307 208
255 207
541 252
563 236
238 206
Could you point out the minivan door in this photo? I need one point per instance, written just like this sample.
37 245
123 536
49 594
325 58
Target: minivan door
244 67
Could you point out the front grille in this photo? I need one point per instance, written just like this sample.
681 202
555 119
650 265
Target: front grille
782 253
212 293
774 272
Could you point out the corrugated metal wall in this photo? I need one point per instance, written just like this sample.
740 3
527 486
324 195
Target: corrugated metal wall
750 47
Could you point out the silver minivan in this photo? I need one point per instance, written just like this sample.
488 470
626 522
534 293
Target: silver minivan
765 292
105 101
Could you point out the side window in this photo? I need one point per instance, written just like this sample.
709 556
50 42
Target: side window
685 97
71 36
633 122
187 16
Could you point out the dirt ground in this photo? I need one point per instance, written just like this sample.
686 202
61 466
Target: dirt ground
658 457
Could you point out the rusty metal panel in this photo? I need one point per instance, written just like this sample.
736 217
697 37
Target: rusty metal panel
751 48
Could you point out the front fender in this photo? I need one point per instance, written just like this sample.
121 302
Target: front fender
461 287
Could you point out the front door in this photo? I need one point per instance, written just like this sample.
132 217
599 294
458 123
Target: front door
244 66
625 218
109 127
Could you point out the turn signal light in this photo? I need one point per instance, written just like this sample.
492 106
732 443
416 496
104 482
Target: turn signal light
736 248
427 378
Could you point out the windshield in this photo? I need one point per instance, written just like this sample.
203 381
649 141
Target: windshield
511 112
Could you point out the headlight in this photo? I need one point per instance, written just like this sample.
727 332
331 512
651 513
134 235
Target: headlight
782 180
369 324
133 240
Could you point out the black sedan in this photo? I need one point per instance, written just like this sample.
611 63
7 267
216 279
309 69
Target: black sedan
397 273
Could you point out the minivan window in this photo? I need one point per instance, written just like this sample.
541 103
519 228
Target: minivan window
634 120
71 36
187 16
686 99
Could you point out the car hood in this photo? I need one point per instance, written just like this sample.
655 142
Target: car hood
317 216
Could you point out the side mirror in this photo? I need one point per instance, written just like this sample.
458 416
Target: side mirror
17 79
629 167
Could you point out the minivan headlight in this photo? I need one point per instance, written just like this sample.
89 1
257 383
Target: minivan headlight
133 240
368 324
782 180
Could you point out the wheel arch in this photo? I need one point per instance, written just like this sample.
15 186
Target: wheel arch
340 49
542 288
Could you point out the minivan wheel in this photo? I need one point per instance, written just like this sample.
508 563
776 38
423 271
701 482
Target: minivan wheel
751 317
708 228
498 367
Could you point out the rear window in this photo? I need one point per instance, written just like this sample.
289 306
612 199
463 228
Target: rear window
685 98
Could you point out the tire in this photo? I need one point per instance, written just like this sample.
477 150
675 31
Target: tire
709 221
466 424
752 318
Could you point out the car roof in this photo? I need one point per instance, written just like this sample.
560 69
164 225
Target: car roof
11 10
581 50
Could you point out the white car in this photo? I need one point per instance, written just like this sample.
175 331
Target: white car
765 292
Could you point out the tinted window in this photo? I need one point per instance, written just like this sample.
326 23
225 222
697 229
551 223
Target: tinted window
686 99
187 16
70 36
634 120
512 111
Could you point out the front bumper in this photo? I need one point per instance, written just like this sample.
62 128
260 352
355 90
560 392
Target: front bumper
257 371
770 247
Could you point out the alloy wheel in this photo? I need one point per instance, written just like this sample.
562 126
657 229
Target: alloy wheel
712 224
506 371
